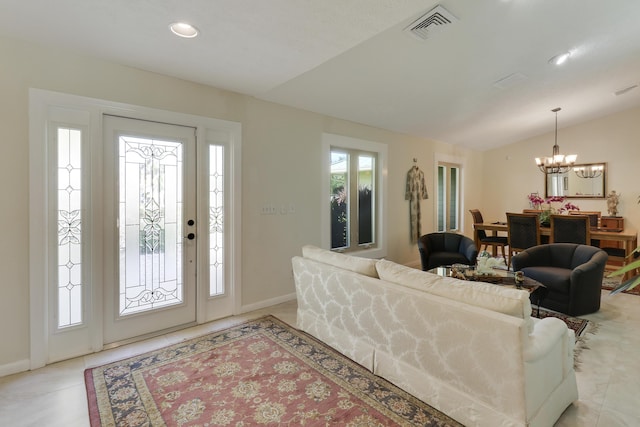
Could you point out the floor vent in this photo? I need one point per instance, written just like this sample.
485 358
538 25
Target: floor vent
437 19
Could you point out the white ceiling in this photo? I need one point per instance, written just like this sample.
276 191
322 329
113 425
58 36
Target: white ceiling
351 59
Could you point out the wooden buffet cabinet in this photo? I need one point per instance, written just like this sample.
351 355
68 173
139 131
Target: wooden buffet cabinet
611 223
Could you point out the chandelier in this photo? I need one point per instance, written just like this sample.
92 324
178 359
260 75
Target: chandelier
557 163
589 172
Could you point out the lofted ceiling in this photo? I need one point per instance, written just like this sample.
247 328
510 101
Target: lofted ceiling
482 81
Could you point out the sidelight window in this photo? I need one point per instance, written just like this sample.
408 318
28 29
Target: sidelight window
216 220
70 242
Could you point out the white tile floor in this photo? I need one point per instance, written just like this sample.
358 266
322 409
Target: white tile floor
608 374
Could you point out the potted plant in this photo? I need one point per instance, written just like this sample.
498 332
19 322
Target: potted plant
632 266
634 280
554 205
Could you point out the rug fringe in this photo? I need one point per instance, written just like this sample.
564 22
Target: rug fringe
581 343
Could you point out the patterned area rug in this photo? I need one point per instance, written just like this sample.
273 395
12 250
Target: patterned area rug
582 327
260 372
610 283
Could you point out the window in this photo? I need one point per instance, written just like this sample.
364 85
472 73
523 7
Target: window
448 197
69 252
353 180
216 220
353 184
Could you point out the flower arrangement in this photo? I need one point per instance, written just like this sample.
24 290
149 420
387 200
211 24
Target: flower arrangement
550 206
535 200
563 207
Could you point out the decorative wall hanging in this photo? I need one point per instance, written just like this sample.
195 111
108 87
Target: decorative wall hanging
416 190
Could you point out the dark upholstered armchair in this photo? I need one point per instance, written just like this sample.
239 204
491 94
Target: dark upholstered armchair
437 249
572 274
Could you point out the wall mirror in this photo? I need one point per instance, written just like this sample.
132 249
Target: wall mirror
583 181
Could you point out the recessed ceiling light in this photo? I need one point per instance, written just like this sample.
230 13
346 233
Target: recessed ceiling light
183 29
560 58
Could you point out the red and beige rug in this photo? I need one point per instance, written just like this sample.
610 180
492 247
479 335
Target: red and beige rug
609 283
262 372
582 327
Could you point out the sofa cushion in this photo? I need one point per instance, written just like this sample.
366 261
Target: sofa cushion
356 264
509 301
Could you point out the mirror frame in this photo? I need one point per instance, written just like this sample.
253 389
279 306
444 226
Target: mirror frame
604 182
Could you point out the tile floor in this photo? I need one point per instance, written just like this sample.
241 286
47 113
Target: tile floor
608 374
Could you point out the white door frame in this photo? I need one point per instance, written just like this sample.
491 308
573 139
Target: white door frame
42 104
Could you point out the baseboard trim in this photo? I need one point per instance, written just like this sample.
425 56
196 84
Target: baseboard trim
415 264
267 303
15 367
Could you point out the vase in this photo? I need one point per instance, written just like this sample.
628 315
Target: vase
545 218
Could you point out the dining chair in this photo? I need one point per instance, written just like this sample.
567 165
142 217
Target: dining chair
594 216
486 241
544 239
523 231
594 221
570 229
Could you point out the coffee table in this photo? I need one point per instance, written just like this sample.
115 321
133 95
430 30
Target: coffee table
537 291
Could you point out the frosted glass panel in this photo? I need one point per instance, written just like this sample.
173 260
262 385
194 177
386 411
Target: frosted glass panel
150 217
216 220
69 202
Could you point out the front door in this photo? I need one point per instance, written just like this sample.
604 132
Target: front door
150 227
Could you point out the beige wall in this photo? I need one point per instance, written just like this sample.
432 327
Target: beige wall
280 164
510 172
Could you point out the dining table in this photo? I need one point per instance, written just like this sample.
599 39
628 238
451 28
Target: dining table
627 237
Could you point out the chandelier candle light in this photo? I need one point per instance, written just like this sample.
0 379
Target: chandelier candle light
589 172
557 163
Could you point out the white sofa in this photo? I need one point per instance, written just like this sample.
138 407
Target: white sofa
469 349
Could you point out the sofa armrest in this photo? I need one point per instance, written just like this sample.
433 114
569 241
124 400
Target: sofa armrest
469 250
424 257
591 269
546 334
522 260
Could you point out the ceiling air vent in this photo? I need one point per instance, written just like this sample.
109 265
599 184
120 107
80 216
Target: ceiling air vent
437 19
625 90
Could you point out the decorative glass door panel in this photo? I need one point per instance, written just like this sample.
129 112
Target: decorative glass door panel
70 241
216 220
150 227
150 218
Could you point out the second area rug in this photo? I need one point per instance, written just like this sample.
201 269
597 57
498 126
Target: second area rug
262 372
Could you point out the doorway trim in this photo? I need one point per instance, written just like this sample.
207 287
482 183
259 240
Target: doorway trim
42 105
